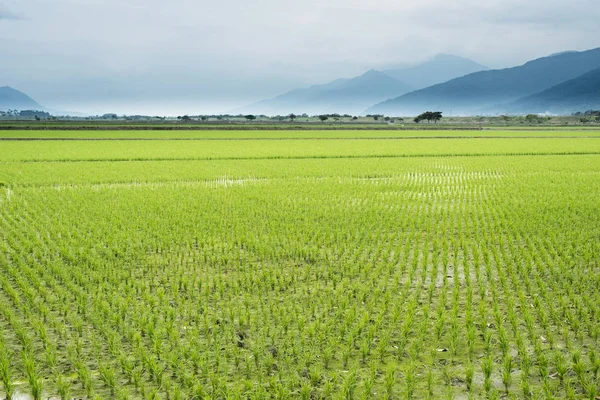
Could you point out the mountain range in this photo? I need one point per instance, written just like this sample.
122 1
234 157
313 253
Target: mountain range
489 92
353 96
561 83
340 96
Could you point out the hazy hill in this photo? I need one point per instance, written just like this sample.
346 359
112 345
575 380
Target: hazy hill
441 68
485 90
340 96
352 96
11 99
579 94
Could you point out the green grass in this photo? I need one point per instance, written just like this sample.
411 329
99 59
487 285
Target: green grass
427 268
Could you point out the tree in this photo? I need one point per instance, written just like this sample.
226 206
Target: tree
532 118
354 118
323 118
204 118
292 117
186 118
434 116
250 117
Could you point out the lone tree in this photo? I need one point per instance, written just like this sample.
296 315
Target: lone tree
250 117
532 118
292 117
434 116
323 118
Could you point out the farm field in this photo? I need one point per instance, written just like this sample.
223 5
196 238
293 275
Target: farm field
517 132
340 264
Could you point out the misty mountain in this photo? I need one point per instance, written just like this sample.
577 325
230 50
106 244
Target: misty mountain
11 99
340 96
579 94
441 68
352 96
486 90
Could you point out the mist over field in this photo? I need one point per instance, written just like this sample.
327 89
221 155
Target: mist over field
177 57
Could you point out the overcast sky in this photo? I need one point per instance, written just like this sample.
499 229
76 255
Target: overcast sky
171 57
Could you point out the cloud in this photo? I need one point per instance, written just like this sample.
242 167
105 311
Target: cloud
69 53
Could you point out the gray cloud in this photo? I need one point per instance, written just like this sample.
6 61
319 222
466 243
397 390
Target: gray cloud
207 56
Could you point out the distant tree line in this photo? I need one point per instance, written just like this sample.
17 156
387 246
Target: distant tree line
588 113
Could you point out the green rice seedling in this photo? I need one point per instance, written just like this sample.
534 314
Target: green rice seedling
578 366
595 362
525 364
5 373
107 374
51 356
123 394
349 385
471 341
561 367
390 380
327 357
487 366
305 390
63 387
315 375
507 365
449 393
591 390
525 386
570 390
35 382
487 341
368 385
430 382
547 389
469 376
410 380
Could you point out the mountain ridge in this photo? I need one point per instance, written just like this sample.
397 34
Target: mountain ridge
353 95
486 90
339 96
579 94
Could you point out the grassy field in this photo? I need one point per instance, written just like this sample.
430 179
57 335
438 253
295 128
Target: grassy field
346 265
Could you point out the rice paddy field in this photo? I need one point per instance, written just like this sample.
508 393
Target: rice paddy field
300 264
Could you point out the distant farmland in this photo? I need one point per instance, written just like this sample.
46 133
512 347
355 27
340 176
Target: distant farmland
339 264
